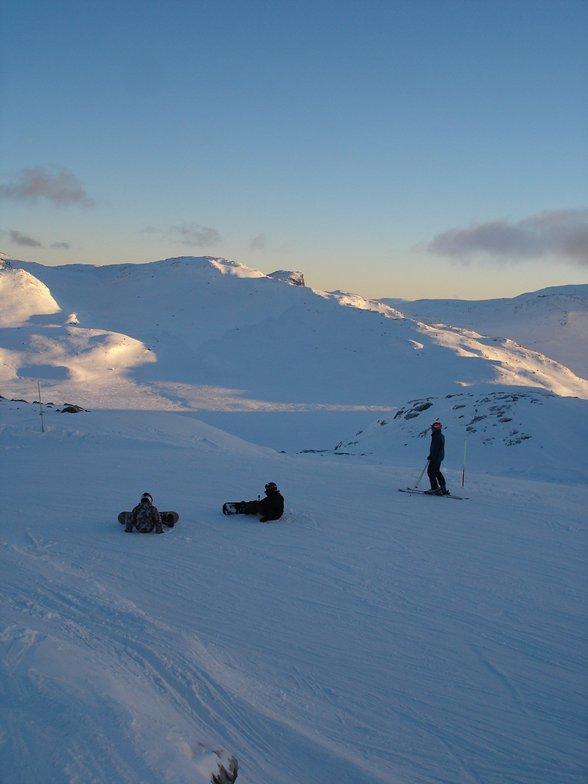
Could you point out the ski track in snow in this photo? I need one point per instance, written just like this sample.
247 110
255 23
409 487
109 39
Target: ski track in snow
402 639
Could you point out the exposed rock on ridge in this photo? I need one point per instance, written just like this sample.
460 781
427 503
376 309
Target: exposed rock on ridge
295 278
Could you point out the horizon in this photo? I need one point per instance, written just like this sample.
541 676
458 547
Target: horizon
411 151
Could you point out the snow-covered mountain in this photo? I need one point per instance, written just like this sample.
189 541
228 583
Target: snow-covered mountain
552 321
214 337
369 635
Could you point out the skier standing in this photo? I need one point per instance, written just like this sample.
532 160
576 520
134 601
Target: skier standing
145 517
435 458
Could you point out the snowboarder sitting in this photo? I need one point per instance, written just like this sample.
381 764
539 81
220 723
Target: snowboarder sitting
435 458
270 508
145 517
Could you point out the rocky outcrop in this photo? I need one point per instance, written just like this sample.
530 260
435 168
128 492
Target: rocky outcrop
287 276
228 768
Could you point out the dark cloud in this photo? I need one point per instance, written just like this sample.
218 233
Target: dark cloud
563 233
199 236
61 245
16 238
59 187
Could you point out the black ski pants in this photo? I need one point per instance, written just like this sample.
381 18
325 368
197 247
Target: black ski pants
436 478
250 507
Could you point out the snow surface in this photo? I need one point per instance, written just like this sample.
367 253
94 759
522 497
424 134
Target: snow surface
553 321
368 636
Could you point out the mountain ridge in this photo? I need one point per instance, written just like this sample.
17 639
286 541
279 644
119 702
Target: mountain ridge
553 321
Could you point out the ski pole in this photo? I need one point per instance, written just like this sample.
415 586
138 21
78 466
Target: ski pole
465 449
421 474
41 407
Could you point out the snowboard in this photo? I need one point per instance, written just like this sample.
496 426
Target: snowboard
232 507
167 518
413 490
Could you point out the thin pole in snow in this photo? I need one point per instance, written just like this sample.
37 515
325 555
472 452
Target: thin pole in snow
421 475
465 449
41 407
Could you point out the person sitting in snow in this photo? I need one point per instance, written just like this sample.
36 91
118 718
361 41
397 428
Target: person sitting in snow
145 517
435 458
269 508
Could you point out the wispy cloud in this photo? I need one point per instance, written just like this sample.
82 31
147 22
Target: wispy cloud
562 234
59 187
196 235
17 238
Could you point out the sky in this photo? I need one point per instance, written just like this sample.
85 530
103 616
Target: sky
414 149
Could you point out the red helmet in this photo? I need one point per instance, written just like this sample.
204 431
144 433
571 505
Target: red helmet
437 425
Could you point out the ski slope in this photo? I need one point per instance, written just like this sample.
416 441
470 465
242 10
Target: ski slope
368 636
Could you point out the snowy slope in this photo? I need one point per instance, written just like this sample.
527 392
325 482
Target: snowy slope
369 636
520 432
217 338
552 321
22 296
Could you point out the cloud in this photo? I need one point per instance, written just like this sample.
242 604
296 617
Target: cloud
16 238
562 233
199 236
59 187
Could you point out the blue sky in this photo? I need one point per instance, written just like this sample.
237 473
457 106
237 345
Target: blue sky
416 148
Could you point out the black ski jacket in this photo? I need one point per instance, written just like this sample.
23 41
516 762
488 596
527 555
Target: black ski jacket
437 449
272 506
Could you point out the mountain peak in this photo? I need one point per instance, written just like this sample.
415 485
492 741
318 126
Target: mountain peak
224 266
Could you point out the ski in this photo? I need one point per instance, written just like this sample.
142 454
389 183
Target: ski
413 490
